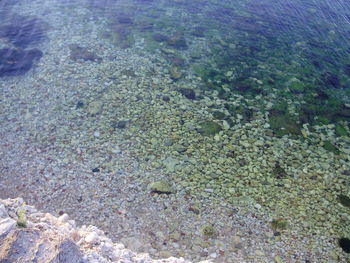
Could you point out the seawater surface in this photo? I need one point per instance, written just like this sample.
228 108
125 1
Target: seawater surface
204 129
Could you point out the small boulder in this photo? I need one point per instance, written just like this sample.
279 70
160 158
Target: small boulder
188 93
161 187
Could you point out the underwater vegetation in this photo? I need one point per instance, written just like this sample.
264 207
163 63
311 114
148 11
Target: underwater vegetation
279 224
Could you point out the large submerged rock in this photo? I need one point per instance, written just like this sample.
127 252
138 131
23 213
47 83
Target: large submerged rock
15 62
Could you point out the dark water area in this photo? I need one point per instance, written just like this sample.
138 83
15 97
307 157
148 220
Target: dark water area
286 62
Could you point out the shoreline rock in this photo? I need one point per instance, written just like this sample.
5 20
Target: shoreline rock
47 238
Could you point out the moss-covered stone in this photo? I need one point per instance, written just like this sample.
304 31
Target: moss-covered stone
279 224
330 147
161 187
209 128
208 231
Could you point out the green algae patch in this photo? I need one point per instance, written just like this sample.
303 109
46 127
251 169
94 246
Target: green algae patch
297 87
209 128
161 187
22 219
340 130
283 125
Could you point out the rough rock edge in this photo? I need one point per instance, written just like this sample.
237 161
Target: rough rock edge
59 239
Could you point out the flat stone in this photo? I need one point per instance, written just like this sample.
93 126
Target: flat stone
161 187
171 163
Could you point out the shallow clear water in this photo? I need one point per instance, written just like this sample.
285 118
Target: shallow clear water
242 101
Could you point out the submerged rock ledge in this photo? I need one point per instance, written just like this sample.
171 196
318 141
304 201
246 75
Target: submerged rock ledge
27 235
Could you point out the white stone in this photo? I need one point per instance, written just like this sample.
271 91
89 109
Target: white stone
63 218
91 238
